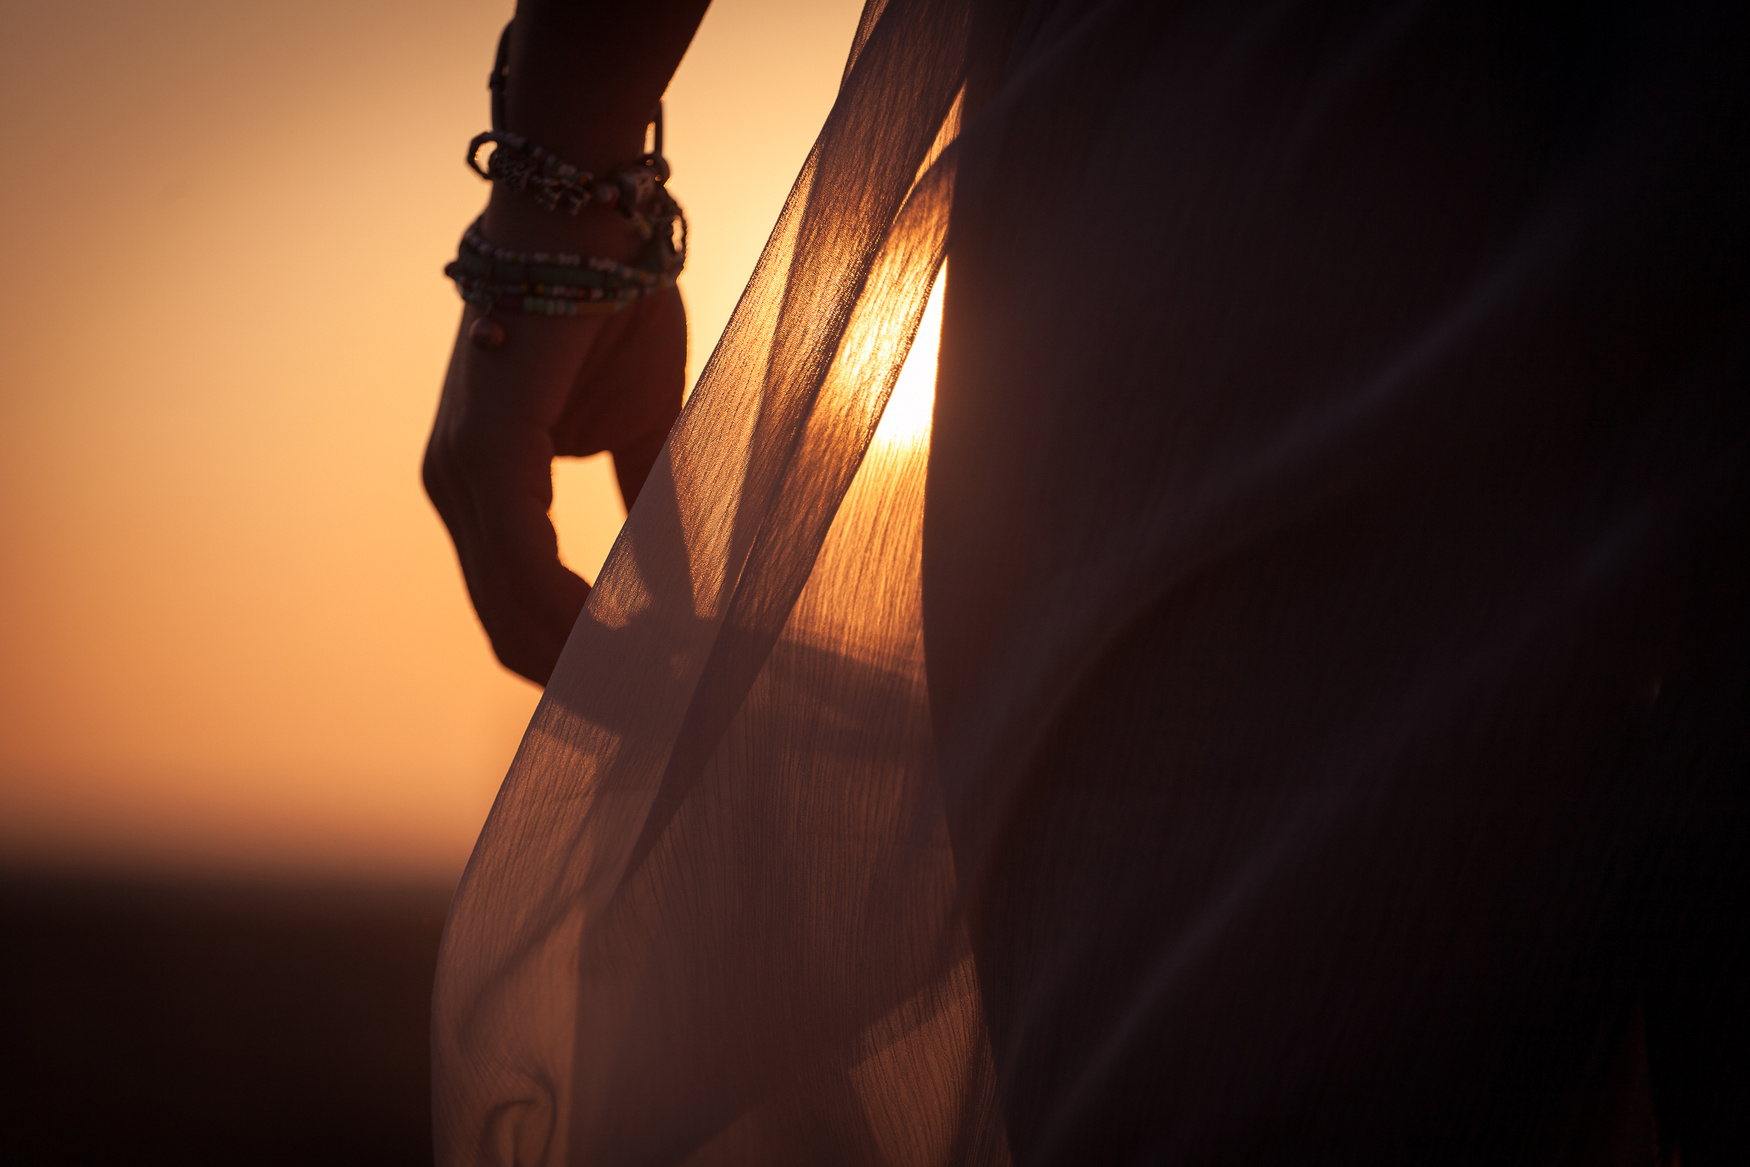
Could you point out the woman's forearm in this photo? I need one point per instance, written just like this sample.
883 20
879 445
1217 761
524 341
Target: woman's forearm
584 79
585 76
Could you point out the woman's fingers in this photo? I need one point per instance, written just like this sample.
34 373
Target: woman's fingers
527 600
654 376
488 470
629 391
568 385
633 463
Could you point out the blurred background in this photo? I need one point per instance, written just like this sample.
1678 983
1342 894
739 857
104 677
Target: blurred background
249 725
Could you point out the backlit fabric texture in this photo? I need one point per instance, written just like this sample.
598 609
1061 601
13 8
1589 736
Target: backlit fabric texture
711 918
1291 707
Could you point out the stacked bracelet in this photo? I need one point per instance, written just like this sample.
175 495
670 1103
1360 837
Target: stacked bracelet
551 283
556 284
635 188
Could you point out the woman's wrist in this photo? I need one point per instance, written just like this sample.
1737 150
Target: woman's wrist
581 82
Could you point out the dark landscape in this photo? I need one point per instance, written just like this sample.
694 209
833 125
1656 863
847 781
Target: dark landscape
189 1022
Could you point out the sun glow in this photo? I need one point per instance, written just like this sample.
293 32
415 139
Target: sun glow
907 420
232 631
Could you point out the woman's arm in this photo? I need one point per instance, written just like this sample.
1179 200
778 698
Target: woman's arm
584 80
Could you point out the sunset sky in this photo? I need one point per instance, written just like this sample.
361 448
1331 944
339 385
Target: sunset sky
233 632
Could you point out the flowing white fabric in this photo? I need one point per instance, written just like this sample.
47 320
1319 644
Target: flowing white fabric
711 916
1335 706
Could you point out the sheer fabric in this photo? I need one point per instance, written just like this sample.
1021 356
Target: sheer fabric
711 917
1306 722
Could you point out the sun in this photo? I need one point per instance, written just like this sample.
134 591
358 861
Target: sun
907 420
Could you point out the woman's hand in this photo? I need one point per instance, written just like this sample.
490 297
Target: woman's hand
557 386
584 80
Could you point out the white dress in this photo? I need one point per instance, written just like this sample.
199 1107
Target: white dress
1330 719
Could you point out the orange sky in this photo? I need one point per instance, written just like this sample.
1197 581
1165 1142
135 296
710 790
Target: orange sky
232 629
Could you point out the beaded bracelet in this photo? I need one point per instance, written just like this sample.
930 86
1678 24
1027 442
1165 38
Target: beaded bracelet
546 300
635 188
555 283
552 283
663 256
